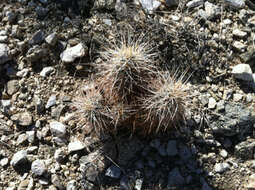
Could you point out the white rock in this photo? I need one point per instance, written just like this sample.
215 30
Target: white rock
239 33
38 167
70 54
150 5
194 3
221 167
46 71
239 45
57 129
75 146
18 158
212 103
4 53
211 10
243 72
3 39
237 97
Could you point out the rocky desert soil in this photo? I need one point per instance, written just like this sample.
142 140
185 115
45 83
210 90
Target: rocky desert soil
47 52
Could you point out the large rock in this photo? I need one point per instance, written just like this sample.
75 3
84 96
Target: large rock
236 120
243 72
57 129
70 54
4 53
19 158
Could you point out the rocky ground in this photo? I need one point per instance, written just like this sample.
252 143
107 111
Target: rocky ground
46 51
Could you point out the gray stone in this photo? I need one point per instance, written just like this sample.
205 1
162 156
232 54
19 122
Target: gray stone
221 167
237 119
150 5
72 185
171 3
37 38
19 158
4 53
60 155
175 179
12 87
243 72
38 167
194 3
245 150
21 139
46 71
113 172
57 129
52 39
11 16
70 54
238 4
51 101
37 53
75 146
171 148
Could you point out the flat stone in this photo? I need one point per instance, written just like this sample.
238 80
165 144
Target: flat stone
75 146
70 54
57 129
38 167
4 53
242 72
